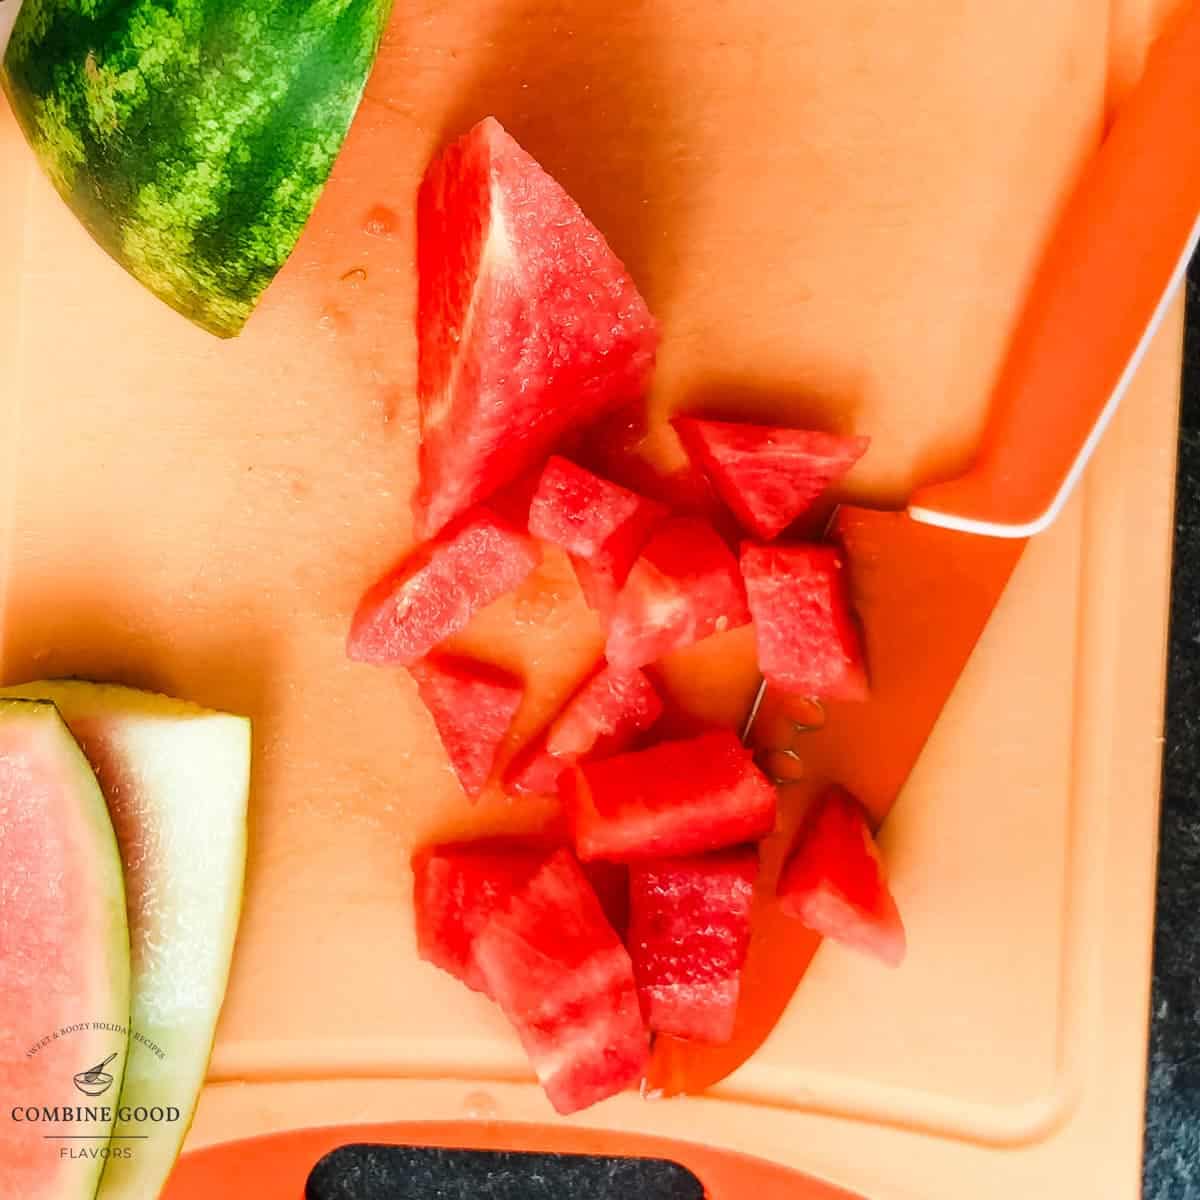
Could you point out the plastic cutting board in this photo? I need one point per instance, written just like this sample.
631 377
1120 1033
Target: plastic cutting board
834 210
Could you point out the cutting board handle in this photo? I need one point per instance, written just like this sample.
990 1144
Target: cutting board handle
277 1166
1113 264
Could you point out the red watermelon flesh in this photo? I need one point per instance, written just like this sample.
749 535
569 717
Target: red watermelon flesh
675 798
472 704
834 881
689 932
768 475
438 589
556 967
456 889
527 325
64 954
601 718
601 525
806 635
684 587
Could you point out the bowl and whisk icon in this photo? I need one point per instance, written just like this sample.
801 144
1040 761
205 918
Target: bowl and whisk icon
95 1081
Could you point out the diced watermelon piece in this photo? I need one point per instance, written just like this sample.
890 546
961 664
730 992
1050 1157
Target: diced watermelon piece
805 632
436 590
684 587
835 883
527 324
603 717
689 931
675 798
472 704
601 525
456 889
769 476
559 972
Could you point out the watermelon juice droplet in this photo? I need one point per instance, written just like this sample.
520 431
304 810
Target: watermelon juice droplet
381 222
480 1106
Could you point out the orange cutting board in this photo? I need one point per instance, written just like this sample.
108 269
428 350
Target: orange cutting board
835 211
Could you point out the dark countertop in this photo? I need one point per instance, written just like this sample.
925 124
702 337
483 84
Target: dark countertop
1172 1170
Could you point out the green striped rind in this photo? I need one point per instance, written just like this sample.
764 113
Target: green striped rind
192 137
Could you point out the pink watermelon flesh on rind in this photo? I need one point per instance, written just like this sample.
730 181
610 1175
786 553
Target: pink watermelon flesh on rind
528 325
64 951
176 780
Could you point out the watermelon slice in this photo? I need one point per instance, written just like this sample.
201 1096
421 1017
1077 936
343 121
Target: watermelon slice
602 717
64 957
192 141
176 778
559 972
601 525
472 704
684 587
676 798
769 476
806 635
689 931
527 323
834 881
438 589
456 890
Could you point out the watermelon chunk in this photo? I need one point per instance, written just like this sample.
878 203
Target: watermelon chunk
472 704
603 717
601 525
684 587
769 476
456 889
438 589
527 325
835 883
562 977
689 931
673 799
806 635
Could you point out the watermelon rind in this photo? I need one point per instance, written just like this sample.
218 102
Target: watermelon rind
176 777
64 999
192 138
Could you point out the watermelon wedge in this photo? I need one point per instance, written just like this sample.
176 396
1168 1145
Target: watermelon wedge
527 324
438 589
689 932
768 475
806 635
456 889
603 717
472 704
562 977
675 798
192 140
176 779
64 958
601 525
684 587
834 880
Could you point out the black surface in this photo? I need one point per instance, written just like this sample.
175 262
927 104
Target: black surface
413 1173
1173 1100
1172 1170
